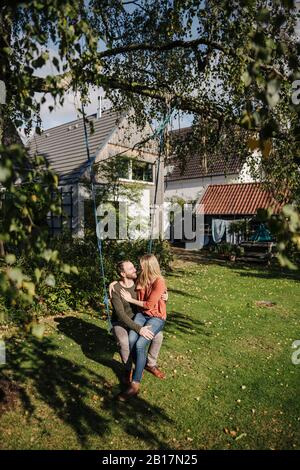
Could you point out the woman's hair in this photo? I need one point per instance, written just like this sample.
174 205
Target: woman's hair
150 270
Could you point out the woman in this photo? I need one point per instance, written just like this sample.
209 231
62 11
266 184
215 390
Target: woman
150 288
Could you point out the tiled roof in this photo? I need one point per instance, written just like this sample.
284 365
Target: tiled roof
64 145
195 166
238 198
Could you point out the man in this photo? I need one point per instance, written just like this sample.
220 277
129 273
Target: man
122 321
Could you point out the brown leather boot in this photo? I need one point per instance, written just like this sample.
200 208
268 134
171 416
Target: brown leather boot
131 391
156 372
127 378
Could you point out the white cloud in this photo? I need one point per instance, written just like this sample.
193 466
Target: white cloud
68 112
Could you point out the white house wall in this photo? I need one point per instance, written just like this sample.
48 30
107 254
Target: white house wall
139 213
120 141
254 163
192 189
125 137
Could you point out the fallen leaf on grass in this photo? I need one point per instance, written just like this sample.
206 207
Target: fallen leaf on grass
265 303
230 433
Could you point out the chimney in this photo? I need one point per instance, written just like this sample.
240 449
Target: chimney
99 109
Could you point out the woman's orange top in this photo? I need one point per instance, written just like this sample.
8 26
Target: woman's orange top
154 306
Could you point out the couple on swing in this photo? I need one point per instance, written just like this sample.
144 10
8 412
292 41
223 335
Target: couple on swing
139 315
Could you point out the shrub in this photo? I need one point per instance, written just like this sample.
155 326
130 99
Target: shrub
85 290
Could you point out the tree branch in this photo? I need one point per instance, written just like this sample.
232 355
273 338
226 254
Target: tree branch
189 104
184 45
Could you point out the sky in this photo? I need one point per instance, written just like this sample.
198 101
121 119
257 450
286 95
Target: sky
68 112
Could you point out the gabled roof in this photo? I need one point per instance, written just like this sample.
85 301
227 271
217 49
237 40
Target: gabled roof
64 146
195 166
237 199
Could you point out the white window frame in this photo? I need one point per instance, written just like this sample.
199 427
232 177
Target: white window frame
130 179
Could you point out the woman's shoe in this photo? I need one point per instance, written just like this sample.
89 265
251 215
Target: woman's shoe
156 372
127 378
131 391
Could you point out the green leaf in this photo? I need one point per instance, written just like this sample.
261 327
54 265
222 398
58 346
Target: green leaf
273 86
56 63
285 262
50 255
38 274
39 62
272 99
74 270
50 280
38 330
246 79
65 268
10 258
5 173
30 288
16 276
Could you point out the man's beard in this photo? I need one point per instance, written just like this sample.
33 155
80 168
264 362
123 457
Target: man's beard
133 277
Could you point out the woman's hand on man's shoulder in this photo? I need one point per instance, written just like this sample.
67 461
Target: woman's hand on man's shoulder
111 288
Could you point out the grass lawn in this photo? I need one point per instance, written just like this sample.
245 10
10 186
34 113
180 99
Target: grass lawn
230 379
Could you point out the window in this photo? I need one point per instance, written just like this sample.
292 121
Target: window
136 170
142 171
123 165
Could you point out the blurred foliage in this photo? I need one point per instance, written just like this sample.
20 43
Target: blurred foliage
85 290
28 193
243 227
286 229
231 65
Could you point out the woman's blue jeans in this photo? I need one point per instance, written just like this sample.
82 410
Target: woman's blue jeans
141 344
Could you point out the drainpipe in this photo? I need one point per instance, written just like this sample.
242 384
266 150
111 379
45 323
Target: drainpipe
99 108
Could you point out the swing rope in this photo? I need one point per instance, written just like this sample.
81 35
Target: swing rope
99 241
159 133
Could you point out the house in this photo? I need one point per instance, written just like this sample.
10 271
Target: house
113 139
223 204
189 181
221 189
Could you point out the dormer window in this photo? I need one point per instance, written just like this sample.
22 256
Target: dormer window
142 171
135 170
